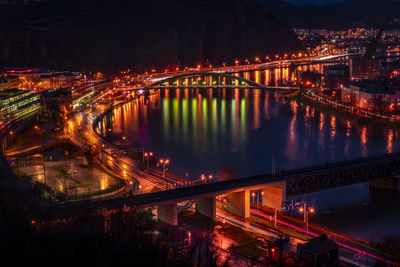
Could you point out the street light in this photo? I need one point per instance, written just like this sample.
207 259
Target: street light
164 162
306 213
147 155
253 195
202 178
11 136
36 129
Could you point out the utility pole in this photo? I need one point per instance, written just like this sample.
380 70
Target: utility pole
44 168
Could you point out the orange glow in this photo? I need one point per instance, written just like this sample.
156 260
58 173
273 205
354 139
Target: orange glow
390 141
363 135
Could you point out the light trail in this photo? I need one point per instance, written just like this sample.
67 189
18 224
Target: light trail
360 253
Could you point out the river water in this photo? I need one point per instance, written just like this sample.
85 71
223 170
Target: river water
202 130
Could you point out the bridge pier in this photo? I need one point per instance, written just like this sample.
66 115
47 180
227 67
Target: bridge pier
238 203
168 213
273 196
206 206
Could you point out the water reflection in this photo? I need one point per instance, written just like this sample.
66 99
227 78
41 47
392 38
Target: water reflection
389 146
203 129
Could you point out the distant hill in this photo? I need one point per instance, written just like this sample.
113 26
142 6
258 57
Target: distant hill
336 16
115 34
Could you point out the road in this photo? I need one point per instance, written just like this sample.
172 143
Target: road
31 147
83 134
154 77
80 132
360 254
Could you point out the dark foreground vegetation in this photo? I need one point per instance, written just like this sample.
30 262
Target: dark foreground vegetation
105 238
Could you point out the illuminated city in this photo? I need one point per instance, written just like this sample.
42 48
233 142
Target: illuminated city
200 133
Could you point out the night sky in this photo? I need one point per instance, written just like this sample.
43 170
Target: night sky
315 2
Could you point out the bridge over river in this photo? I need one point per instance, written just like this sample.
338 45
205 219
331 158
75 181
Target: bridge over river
210 79
275 187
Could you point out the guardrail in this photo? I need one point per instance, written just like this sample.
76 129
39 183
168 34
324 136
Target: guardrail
350 108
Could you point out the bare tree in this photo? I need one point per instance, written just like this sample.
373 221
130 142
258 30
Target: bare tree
64 180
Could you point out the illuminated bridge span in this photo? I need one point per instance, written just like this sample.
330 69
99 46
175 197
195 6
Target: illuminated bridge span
211 80
275 188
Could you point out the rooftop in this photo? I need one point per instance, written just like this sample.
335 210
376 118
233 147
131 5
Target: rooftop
56 92
319 244
9 92
377 86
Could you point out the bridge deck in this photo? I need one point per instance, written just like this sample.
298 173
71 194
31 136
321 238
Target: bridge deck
276 88
299 181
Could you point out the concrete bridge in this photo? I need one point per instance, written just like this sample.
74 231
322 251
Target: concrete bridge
275 188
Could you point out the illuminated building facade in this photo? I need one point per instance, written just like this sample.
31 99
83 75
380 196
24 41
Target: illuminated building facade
39 80
15 102
55 102
372 96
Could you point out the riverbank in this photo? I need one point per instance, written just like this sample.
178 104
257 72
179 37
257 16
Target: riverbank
347 113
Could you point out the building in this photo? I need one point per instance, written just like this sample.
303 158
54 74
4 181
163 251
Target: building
3 83
390 69
319 251
15 102
336 76
382 96
55 103
364 69
13 81
56 80
40 79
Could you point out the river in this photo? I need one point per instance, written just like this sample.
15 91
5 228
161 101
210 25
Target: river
202 130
